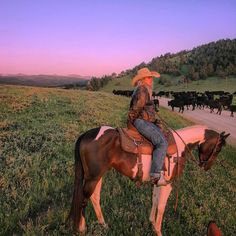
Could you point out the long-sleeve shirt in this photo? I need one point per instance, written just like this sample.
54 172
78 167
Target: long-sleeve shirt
141 105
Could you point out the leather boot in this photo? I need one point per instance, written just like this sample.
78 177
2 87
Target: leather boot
158 179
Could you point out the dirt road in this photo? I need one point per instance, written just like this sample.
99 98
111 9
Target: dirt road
219 123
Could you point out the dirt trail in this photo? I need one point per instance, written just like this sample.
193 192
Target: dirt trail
219 123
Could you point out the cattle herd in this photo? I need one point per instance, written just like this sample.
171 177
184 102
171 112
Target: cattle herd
213 100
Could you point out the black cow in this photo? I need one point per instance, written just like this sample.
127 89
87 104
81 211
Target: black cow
156 104
201 100
127 93
226 100
176 103
215 104
232 108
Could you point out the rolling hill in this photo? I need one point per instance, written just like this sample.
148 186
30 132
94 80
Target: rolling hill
44 80
207 67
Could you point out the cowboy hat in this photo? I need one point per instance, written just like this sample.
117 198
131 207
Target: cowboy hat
143 73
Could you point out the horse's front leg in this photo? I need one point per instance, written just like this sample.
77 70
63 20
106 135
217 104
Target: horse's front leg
95 199
154 205
160 197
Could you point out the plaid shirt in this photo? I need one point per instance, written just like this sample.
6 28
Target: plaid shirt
141 105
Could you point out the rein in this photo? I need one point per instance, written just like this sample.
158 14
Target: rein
191 158
189 151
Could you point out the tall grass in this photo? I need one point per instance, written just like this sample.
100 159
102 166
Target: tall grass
38 129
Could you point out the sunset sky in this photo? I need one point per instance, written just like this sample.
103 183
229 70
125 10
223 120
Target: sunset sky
98 37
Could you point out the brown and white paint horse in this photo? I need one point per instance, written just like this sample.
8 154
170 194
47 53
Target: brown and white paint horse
98 150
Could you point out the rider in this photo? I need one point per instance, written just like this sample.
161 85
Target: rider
142 117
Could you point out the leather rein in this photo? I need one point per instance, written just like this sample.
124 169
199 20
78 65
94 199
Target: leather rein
201 162
188 149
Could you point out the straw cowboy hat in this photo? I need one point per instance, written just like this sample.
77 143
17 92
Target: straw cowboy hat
143 73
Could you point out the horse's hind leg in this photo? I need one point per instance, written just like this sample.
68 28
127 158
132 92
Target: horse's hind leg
88 189
95 199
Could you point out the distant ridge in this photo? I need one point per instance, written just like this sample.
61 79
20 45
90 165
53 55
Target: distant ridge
42 80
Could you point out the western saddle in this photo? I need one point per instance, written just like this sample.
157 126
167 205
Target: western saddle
133 142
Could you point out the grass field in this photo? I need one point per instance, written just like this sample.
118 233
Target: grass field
38 129
210 84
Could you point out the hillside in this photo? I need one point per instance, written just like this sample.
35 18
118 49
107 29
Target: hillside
44 80
189 69
38 130
210 84
212 59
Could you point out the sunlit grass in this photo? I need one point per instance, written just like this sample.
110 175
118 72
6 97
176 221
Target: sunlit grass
36 170
210 84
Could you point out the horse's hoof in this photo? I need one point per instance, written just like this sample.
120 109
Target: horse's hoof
82 231
157 232
152 220
105 225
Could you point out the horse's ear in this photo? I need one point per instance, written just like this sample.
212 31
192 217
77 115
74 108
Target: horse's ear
226 136
223 138
222 134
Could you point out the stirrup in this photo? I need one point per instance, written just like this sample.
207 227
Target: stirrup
162 182
158 179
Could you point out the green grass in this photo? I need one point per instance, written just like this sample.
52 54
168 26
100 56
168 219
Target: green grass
38 129
211 84
123 83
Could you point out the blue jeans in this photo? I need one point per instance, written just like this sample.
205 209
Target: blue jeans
153 133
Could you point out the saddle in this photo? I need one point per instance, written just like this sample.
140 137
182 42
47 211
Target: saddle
133 142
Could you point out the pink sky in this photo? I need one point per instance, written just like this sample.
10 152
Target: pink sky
100 37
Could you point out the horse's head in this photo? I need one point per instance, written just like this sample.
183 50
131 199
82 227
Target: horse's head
210 148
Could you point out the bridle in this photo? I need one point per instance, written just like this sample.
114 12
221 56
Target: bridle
200 163
203 163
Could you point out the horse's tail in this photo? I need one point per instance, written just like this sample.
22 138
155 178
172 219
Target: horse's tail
78 195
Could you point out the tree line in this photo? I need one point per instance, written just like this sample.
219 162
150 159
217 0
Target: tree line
212 59
96 83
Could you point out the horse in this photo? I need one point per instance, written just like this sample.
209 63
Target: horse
213 229
99 149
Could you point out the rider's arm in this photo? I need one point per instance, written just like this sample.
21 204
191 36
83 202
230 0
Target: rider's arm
139 100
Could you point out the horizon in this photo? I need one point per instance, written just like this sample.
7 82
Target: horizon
97 38
84 76
62 75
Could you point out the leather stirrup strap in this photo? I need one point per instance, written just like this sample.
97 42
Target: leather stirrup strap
139 175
